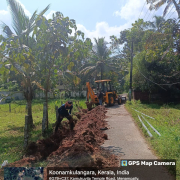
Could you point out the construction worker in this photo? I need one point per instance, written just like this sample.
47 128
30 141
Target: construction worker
63 112
100 97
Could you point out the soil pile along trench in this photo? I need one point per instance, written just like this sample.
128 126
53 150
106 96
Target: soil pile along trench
77 148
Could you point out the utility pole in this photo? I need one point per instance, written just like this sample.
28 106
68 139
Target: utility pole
130 88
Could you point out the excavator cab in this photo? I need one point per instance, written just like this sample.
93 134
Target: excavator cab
109 98
105 85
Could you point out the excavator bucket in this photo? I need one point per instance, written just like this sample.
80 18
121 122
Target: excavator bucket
89 105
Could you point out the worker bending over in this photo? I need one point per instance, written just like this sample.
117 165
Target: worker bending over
63 112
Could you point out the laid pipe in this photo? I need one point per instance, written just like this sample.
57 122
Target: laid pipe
145 127
143 114
151 126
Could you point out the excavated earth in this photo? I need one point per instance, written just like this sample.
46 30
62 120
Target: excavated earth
77 148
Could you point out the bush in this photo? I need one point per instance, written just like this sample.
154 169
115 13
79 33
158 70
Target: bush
82 95
8 100
128 102
16 98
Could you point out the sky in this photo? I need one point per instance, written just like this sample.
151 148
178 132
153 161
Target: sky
96 18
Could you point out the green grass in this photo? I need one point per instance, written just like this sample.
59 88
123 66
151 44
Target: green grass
12 125
166 122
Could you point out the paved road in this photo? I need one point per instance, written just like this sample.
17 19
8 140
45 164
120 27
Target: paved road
124 137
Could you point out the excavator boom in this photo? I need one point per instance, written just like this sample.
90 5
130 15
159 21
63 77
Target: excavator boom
92 95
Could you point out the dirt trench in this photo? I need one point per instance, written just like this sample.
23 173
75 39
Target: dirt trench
77 148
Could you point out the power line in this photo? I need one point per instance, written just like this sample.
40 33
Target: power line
168 12
146 13
164 17
162 22
169 84
155 82
142 9
152 15
147 48
172 14
149 79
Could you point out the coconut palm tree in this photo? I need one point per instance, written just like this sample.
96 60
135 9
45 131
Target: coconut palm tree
100 60
22 26
157 24
159 3
21 23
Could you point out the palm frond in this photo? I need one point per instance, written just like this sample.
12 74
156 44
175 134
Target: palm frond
108 68
33 17
71 77
68 75
151 24
100 48
159 4
19 68
6 30
84 66
44 10
20 19
96 41
95 53
88 74
85 70
32 21
167 7
152 5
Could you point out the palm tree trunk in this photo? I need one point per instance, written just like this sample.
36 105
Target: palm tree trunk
28 94
177 8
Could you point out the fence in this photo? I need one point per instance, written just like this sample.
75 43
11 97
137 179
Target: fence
40 94
155 97
18 95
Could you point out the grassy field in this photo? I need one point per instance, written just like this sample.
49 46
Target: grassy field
166 122
12 125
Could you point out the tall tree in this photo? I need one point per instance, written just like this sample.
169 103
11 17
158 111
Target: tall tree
157 63
100 60
52 43
157 24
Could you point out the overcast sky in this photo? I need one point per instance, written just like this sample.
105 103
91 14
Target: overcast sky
96 18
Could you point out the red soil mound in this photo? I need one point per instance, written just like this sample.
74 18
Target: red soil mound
77 148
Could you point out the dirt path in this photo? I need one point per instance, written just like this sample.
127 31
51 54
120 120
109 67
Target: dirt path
124 137
126 141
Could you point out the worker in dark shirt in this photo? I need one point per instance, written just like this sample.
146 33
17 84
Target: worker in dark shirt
63 112
100 97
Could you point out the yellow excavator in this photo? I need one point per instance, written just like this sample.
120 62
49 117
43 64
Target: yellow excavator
110 96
